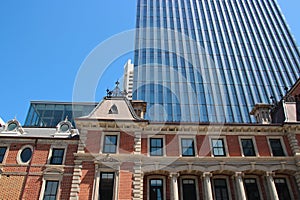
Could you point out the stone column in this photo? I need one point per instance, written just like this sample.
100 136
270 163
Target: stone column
207 186
240 186
76 180
271 185
174 186
138 177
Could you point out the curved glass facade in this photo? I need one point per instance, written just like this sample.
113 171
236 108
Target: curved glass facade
211 60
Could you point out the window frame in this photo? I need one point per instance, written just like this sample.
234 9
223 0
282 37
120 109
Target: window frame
288 184
253 143
102 145
257 183
282 145
227 186
5 154
163 145
194 148
225 147
163 178
195 178
19 160
57 190
65 147
51 176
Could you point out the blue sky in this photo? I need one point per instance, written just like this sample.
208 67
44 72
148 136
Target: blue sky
44 43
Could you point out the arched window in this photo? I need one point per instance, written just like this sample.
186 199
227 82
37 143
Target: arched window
113 110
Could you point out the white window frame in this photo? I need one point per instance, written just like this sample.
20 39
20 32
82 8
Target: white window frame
195 145
163 148
282 145
164 185
224 143
65 147
108 134
288 183
227 184
253 142
6 153
51 178
97 182
195 178
257 183
19 160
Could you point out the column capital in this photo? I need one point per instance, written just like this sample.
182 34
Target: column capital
173 174
207 174
270 174
238 174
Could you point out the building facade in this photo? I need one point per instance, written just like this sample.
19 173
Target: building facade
128 79
211 61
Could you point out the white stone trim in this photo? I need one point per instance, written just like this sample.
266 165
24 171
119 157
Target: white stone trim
253 142
180 137
55 146
19 160
164 145
102 141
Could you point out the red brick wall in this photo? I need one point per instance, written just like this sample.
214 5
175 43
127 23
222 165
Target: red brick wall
65 187
172 146
233 145
287 146
232 188
203 146
262 145
33 187
40 154
262 184
93 141
144 146
125 185
87 180
126 143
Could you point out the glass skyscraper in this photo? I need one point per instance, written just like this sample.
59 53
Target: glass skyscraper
211 60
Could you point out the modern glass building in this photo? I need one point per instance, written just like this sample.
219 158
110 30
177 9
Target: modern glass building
211 60
49 114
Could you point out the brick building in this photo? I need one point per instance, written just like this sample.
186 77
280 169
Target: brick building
115 154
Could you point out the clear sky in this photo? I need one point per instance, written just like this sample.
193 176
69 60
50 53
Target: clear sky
44 43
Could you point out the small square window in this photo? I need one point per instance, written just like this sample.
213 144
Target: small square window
51 190
276 147
218 147
110 144
248 147
57 156
187 147
2 153
156 146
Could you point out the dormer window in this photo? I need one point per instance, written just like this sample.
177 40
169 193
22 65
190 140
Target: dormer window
113 110
12 126
64 127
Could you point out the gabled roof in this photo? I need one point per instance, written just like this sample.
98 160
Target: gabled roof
113 108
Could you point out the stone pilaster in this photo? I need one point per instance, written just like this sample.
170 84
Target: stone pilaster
271 186
174 186
293 143
207 185
137 182
75 188
137 143
240 186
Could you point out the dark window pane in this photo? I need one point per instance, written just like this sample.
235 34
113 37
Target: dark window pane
57 156
221 192
156 146
251 188
51 190
26 154
110 144
2 153
189 189
282 189
106 190
248 147
276 147
156 189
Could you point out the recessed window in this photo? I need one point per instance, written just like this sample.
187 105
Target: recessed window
106 185
51 190
26 155
282 188
156 189
156 146
110 144
218 147
57 156
276 147
187 147
2 153
221 191
64 127
251 188
12 126
189 189
248 147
